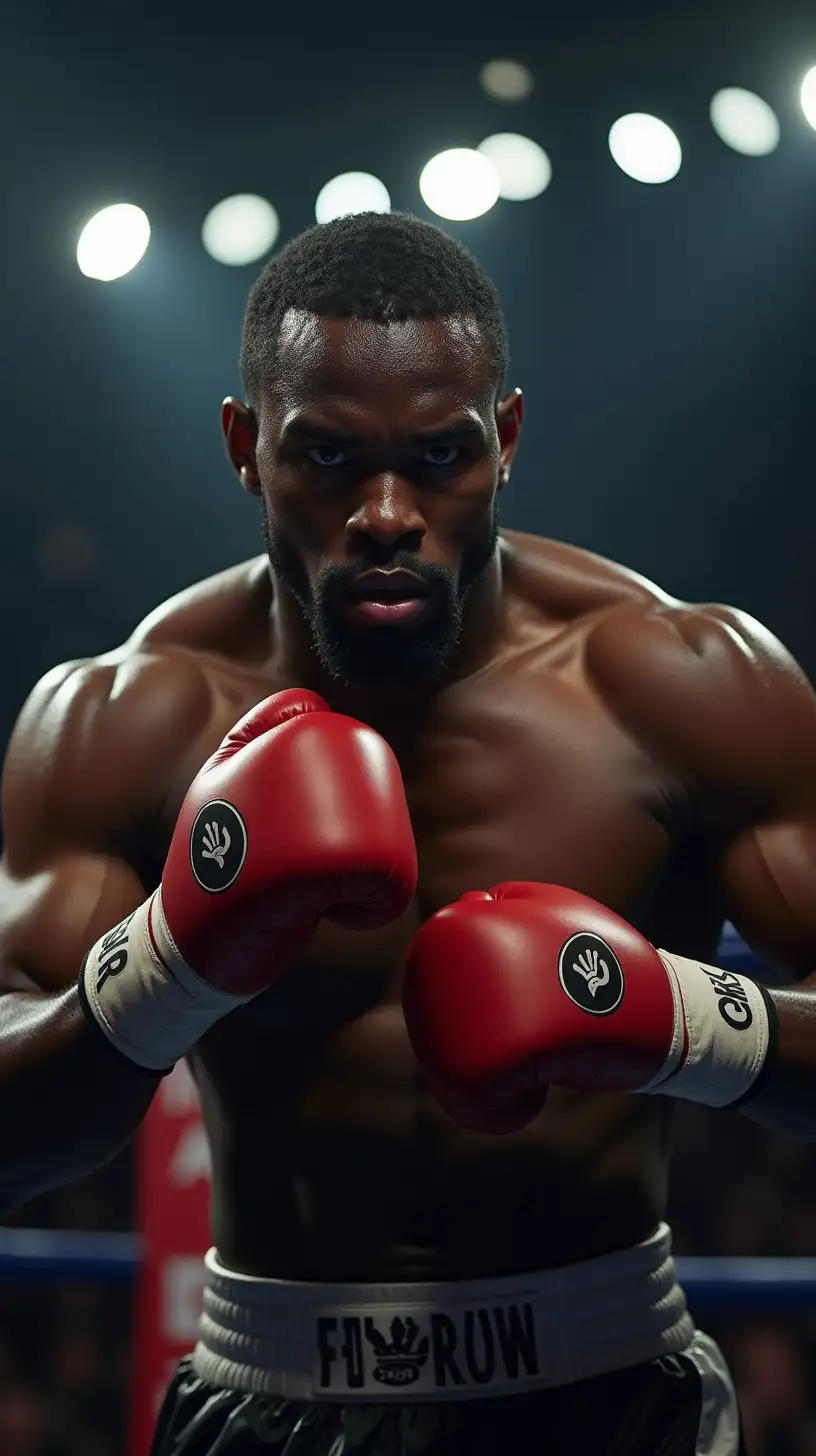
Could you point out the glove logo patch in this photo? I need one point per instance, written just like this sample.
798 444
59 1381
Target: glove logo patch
590 974
218 846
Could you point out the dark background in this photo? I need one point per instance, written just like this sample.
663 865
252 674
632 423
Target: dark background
664 338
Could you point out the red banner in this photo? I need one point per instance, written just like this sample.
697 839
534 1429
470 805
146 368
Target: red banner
173 1164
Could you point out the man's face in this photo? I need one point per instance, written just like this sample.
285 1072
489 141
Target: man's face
378 459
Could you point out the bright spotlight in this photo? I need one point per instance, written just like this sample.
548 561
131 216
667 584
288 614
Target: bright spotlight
506 80
808 97
349 193
113 242
745 122
524 168
645 148
459 184
240 229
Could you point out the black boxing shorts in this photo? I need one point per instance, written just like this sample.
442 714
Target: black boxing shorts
672 1406
599 1358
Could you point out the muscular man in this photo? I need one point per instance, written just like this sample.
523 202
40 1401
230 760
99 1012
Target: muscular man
431 1249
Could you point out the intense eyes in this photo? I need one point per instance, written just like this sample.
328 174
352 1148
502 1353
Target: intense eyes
326 455
452 452
330 457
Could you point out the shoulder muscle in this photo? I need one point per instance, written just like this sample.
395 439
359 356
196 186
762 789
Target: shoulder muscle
91 747
713 692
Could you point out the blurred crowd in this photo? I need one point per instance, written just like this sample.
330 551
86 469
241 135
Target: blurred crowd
65 1347
736 1189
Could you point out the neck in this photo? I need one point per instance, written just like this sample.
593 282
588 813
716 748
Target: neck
396 703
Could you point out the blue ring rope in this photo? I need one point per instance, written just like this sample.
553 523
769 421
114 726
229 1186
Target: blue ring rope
42 1254
114 1259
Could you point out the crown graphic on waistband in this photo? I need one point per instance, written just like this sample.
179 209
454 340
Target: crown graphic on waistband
400 1359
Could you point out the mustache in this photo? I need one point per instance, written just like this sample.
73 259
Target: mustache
338 576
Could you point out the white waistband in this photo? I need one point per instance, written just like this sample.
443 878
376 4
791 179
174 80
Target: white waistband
452 1341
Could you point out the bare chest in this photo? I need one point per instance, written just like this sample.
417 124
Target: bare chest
530 784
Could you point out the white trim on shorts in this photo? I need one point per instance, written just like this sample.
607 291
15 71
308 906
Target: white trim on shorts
433 1342
718 1433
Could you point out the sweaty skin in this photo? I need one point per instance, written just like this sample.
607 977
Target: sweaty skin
615 742
588 731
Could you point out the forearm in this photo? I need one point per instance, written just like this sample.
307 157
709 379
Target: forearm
784 1098
68 1100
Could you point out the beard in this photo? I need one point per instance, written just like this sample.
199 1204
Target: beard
381 653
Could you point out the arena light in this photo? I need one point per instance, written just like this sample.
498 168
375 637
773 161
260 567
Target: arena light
349 193
645 148
459 184
745 122
524 168
807 97
240 229
113 242
506 80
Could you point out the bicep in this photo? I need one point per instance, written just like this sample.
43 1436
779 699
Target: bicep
769 891
735 717
90 757
51 917
62 880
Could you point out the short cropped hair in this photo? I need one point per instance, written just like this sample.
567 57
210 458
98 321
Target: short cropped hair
382 266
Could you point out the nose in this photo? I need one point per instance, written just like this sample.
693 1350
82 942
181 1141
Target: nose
388 517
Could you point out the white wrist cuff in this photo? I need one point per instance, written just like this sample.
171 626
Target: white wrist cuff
721 1034
149 1003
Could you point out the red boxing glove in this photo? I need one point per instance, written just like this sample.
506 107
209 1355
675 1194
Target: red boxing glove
309 810
513 988
300 814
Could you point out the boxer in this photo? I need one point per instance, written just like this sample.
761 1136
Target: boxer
416 839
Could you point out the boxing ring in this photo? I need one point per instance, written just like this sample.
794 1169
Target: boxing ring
711 1282
163 1263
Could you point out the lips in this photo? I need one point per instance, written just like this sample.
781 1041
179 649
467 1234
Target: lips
381 585
386 598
